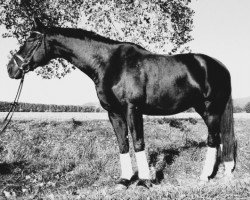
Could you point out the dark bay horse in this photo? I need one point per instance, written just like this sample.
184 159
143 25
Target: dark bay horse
131 81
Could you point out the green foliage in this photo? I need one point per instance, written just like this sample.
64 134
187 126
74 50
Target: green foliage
162 26
238 109
30 107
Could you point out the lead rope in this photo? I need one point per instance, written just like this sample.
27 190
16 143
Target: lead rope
9 116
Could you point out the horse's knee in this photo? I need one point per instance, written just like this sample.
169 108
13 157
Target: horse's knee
123 145
139 145
213 124
124 148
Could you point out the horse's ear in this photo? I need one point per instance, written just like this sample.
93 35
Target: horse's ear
38 25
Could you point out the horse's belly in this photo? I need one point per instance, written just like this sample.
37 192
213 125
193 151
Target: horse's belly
164 109
151 110
171 94
170 102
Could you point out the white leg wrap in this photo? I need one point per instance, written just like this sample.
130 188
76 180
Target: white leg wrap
142 163
229 168
126 166
209 163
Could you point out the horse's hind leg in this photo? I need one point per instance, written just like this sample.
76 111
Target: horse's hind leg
119 124
213 143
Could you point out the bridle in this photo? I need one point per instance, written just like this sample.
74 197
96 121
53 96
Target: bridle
25 67
9 116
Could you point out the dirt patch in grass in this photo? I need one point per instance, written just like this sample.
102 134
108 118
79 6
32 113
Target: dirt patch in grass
80 160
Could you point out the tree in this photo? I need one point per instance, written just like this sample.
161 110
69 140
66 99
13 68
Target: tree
161 26
247 107
238 109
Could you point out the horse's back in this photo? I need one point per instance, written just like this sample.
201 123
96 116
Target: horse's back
173 82
161 84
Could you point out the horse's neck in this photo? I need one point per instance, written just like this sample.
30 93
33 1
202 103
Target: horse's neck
86 55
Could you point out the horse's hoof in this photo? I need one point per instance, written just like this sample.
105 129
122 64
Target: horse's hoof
204 179
228 176
122 184
120 187
145 183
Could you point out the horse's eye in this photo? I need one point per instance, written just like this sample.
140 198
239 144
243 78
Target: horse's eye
31 37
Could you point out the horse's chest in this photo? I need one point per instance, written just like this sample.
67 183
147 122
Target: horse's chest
103 98
120 94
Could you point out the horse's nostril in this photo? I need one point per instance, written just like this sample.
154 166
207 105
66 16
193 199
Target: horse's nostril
9 69
10 65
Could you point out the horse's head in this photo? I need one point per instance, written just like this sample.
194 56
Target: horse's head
31 54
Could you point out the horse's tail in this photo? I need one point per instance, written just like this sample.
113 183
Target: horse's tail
229 143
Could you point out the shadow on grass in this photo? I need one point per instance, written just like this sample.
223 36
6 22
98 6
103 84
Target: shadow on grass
8 168
162 157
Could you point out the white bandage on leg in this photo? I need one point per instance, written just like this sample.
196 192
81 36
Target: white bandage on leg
142 163
229 168
209 163
126 166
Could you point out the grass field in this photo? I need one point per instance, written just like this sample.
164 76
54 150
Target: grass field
75 159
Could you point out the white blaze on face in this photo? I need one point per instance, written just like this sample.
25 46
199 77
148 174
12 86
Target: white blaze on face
142 163
209 163
126 166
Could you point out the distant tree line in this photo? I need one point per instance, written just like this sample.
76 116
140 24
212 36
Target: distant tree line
31 107
236 109
247 107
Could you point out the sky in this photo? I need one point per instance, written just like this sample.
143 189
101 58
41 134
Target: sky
221 30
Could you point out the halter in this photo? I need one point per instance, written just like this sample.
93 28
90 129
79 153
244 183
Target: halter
25 63
25 67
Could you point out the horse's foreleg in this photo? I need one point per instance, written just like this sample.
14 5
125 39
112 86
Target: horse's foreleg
119 124
135 123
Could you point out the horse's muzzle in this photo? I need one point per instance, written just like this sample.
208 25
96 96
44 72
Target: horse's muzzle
13 70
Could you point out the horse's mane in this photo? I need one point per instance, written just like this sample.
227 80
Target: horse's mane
83 34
